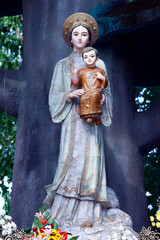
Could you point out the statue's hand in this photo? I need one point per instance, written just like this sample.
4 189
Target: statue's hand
74 69
76 93
103 99
100 76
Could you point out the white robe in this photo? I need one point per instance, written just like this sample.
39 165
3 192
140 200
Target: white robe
80 180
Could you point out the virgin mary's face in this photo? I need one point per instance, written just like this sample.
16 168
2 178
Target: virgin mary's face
80 38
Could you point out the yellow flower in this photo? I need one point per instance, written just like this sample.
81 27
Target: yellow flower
54 232
58 236
151 218
51 238
158 216
41 235
158 224
153 224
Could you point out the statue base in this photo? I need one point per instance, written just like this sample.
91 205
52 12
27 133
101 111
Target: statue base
118 225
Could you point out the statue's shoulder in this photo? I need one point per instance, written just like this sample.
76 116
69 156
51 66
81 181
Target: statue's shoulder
62 66
101 64
63 61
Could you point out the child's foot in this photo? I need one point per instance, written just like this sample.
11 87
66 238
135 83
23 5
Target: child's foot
89 120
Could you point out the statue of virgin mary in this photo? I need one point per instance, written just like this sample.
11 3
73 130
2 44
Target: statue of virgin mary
78 195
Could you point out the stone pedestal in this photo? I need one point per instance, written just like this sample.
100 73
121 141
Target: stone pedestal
116 224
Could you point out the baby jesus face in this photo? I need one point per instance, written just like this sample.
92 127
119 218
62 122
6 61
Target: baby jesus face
90 58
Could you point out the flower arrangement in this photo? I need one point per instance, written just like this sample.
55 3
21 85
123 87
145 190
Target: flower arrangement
155 221
7 226
44 227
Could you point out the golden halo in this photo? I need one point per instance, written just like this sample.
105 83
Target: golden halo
80 18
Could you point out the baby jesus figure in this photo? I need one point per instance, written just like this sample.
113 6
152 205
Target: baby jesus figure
93 80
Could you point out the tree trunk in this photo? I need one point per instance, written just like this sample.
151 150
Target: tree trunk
123 158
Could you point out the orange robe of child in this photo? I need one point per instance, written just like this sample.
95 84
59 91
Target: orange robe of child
90 101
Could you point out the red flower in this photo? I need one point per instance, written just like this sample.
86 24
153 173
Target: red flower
37 232
42 229
59 231
50 225
64 235
44 221
34 229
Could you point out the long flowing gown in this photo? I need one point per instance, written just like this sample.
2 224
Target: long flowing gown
78 192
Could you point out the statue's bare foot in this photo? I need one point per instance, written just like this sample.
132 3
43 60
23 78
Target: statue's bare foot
87 224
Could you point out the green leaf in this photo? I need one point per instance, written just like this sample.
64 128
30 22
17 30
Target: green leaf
74 238
43 208
28 230
37 223
69 234
55 225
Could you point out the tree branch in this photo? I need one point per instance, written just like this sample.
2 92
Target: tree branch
148 128
9 91
124 18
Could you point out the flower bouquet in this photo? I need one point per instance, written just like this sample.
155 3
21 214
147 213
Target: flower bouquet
44 227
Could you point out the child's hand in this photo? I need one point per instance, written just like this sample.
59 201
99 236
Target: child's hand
74 69
100 76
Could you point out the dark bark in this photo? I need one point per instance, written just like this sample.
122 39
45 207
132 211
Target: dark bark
123 158
37 140
145 54
9 91
148 128
127 17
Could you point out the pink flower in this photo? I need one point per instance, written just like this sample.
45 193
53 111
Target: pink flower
47 231
39 215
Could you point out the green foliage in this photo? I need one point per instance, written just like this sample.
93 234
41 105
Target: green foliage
10 42
37 223
74 238
42 216
152 178
7 149
145 97
10 58
43 208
